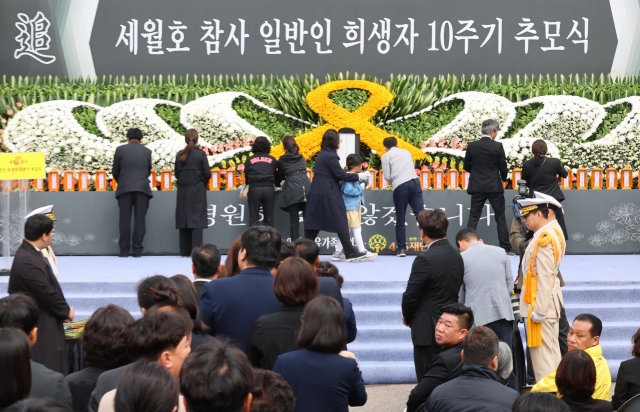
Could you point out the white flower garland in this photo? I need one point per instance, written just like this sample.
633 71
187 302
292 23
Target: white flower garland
518 149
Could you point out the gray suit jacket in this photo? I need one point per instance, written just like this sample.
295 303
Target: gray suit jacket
487 284
46 383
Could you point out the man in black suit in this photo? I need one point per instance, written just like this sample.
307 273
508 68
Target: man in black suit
131 169
31 273
21 311
308 250
486 162
452 327
435 280
205 265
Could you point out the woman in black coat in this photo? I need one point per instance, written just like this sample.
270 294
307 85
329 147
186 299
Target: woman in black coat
541 174
325 206
628 382
292 168
260 175
295 284
192 172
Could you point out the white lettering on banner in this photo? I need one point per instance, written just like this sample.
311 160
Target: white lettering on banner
212 34
243 36
233 213
211 214
33 38
412 34
549 35
369 219
273 45
355 34
153 34
129 37
491 28
527 28
459 216
391 214
291 32
318 26
384 34
467 28
489 214
177 36
577 32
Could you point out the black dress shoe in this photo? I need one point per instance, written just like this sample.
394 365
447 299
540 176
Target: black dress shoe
137 256
123 254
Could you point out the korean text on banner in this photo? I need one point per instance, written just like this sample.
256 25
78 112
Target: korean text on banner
18 166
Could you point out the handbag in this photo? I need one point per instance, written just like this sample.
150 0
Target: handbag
244 192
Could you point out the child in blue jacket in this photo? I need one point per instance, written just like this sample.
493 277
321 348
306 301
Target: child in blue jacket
353 196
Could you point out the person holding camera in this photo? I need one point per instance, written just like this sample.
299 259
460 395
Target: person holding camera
541 174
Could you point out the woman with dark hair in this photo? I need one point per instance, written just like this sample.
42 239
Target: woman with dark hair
104 348
328 269
39 405
192 173
292 169
322 375
147 387
189 302
295 284
576 382
541 173
157 290
231 265
260 174
271 393
325 206
628 382
539 402
15 366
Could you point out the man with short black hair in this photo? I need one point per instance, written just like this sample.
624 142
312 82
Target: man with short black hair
217 376
584 334
230 306
435 280
205 265
452 327
21 311
478 388
486 162
31 273
271 393
398 169
309 251
131 169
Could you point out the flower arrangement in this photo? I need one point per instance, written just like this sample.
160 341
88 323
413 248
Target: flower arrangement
518 149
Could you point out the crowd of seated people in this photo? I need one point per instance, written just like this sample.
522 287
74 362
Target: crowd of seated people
269 333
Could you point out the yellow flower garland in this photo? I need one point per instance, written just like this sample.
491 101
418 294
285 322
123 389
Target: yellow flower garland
338 118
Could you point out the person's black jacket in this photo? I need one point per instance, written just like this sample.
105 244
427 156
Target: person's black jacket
46 383
191 200
293 170
477 389
329 287
260 170
435 280
544 178
107 381
31 273
199 337
486 161
199 284
588 405
274 334
81 384
131 168
446 365
628 382
350 327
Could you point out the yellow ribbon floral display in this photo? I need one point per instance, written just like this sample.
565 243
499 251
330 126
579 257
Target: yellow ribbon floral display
337 118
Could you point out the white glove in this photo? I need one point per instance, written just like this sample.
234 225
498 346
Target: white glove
537 318
364 175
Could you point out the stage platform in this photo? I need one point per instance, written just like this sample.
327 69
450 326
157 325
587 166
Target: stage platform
605 285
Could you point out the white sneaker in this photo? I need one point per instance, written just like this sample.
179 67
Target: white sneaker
369 256
338 256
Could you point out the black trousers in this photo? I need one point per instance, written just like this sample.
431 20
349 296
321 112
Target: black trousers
422 358
497 204
504 329
138 203
349 249
190 238
261 196
294 219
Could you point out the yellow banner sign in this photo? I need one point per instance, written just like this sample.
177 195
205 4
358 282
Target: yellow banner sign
18 166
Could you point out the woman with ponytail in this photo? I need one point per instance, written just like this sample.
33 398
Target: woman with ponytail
292 172
192 173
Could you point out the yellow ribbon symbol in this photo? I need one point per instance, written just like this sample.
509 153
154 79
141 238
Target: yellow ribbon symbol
338 118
